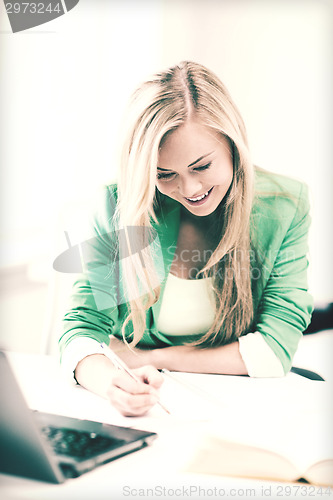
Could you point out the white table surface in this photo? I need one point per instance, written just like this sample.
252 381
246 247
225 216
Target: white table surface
158 470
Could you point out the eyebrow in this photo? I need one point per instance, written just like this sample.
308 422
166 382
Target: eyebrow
190 165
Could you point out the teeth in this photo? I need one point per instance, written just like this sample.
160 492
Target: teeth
199 197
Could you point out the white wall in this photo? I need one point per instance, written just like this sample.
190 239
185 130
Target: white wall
64 86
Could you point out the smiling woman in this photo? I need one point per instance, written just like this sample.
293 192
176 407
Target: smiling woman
203 182
219 261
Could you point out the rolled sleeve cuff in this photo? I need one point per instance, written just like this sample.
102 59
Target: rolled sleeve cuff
258 357
76 350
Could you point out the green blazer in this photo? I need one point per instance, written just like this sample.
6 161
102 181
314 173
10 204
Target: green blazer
282 305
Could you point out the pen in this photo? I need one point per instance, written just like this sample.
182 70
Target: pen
119 363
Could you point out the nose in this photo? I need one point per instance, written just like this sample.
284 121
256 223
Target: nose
189 187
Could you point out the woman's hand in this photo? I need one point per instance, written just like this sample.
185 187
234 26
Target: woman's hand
131 398
132 356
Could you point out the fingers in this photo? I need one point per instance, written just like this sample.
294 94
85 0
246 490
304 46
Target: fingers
131 405
131 397
149 375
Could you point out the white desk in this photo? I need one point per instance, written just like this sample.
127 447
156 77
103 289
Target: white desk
156 471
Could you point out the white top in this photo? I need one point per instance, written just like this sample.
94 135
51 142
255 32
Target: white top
188 309
187 306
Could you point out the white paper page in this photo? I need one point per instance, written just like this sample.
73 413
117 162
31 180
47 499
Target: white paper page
291 415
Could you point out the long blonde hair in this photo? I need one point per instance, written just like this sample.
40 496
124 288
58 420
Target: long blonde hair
158 107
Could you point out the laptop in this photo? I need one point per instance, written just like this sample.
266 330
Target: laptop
51 447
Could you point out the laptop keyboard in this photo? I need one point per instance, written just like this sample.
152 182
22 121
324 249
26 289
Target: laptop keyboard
78 444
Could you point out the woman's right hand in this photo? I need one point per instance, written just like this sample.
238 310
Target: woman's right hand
131 398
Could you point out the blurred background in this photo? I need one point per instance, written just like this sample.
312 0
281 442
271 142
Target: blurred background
64 87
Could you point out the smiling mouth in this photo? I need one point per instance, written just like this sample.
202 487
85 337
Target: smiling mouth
199 198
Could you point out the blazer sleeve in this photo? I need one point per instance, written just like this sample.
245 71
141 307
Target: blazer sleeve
92 311
285 306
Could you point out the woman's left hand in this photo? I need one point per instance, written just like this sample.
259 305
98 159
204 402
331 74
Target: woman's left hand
132 356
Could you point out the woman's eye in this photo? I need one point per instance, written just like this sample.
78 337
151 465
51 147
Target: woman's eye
168 176
164 176
204 167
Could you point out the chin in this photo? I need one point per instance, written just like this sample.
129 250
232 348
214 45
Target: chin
199 213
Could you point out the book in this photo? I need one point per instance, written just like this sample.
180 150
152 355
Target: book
272 429
230 458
